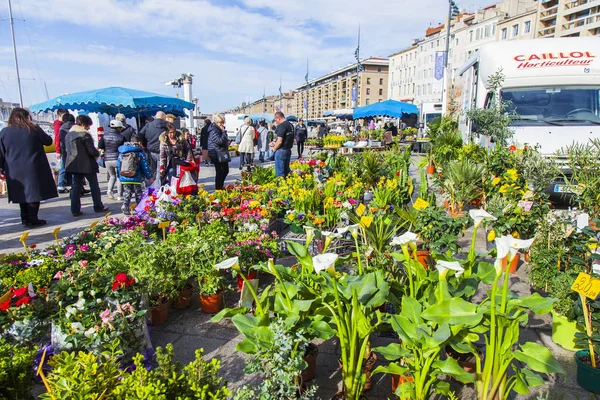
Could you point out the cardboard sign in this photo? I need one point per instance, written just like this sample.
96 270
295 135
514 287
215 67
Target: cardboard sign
164 224
360 210
587 286
525 205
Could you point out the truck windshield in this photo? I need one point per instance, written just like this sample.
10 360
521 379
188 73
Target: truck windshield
431 116
554 106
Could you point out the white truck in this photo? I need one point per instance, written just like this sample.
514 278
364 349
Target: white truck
553 85
427 113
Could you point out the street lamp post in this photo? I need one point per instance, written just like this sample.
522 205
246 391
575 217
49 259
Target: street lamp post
452 13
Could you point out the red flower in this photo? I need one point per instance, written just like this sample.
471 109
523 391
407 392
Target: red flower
33 246
121 277
19 292
129 282
167 192
115 286
5 306
513 148
23 300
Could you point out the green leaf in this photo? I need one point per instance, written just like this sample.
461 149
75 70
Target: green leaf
486 272
442 388
321 329
228 313
391 368
454 311
406 330
246 346
411 309
393 351
538 358
535 303
450 367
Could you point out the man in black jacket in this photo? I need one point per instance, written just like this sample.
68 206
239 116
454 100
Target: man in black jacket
110 143
68 120
150 134
301 136
81 163
127 130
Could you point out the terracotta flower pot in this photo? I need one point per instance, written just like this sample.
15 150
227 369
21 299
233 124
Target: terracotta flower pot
424 257
513 264
430 169
253 274
398 380
368 367
311 358
160 313
184 300
211 304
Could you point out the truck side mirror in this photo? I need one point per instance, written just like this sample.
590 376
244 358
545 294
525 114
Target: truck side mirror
421 125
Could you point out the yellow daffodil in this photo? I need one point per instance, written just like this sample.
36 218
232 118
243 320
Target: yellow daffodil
496 181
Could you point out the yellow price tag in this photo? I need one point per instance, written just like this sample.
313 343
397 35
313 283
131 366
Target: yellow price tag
24 237
360 210
366 221
199 215
587 286
132 207
185 222
164 224
55 232
93 225
107 214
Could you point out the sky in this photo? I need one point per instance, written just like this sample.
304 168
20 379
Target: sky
236 49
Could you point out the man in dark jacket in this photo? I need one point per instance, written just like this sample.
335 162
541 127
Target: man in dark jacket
110 143
301 134
150 134
204 140
68 120
127 130
81 163
56 125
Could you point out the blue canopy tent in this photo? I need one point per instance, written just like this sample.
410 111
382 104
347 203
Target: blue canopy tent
114 100
292 118
257 117
388 108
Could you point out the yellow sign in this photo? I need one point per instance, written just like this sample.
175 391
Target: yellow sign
55 232
132 207
93 225
366 221
164 224
24 237
107 214
587 286
185 222
360 210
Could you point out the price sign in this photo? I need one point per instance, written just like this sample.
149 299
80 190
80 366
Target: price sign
164 224
366 221
360 210
587 286
185 222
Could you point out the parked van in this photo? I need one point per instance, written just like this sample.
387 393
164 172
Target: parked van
427 113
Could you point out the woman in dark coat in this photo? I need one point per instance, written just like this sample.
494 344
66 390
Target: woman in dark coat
218 150
204 140
24 162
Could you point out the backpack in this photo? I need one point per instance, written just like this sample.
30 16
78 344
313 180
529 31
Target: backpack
256 136
129 164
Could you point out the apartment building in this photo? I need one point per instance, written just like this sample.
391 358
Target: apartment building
568 18
413 75
333 91
269 104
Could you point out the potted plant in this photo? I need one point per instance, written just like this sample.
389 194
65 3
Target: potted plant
211 285
462 183
588 360
252 248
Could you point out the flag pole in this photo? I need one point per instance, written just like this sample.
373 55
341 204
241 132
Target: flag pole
306 79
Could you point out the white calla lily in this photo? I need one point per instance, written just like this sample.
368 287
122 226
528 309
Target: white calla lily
444 266
310 234
342 230
518 244
324 261
353 230
480 215
232 262
406 238
329 236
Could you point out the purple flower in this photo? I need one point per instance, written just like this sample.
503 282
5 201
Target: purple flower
84 247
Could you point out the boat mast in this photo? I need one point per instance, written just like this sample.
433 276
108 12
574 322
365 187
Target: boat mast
12 30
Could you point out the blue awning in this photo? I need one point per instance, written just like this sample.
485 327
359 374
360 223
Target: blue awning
388 108
116 99
258 117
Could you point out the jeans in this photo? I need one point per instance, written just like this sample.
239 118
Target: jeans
300 146
282 162
63 177
29 212
129 190
111 167
221 171
156 158
261 156
76 191
245 159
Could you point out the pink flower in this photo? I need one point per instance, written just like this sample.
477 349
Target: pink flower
83 263
84 247
58 275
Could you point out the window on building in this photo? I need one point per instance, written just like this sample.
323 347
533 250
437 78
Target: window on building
470 36
381 81
367 102
429 88
478 34
381 92
419 90
488 31
378 69
457 41
437 44
379 101
515 30
393 76
527 27
413 88
368 91
503 34
368 81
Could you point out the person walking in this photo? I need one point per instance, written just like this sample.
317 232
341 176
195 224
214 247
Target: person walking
82 164
150 135
110 143
263 140
25 167
246 147
301 135
218 150
174 151
131 165
127 130
204 140
62 181
68 120
322 131
283 145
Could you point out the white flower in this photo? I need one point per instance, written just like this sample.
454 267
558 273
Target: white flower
332 235
70 310
310 233
37 261
481 215
444 266
342 230
502 246
77 327
80 303
353 230
517 244
89 333
324 261
408 237
229 263
508 246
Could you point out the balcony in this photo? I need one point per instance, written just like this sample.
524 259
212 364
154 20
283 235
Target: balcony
588 22
549 13
547 32
578 6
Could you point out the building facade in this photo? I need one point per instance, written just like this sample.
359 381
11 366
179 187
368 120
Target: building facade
568 18
334 90
269 104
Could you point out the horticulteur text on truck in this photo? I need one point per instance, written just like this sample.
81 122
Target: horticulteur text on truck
575 58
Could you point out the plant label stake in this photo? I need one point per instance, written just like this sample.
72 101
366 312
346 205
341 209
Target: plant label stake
93 226
55 234
23 240
164 225
589 287
198 217
107 214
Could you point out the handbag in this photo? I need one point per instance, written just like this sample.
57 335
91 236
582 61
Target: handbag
223 156
238 136
100 161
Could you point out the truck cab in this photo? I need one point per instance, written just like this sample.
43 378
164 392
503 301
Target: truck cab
427 113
